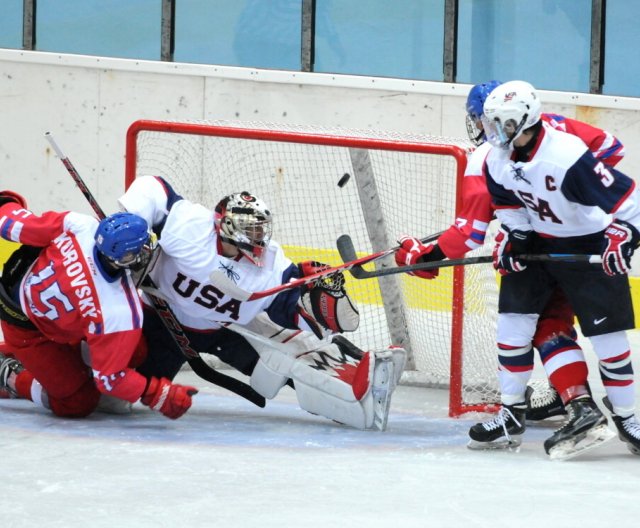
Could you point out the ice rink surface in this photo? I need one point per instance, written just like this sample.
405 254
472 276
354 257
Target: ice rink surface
229 464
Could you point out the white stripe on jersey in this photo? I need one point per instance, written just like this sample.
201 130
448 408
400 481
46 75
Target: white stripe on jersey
13 227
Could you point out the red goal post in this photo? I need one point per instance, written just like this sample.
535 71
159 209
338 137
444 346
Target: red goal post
399 184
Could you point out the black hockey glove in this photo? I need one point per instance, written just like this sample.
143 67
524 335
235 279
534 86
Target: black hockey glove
508 245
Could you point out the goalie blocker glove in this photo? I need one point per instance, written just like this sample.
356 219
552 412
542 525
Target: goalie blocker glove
621 240
412 251
508 245
324 304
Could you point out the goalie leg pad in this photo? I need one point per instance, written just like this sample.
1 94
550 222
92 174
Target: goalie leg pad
352 392
324 381
266 379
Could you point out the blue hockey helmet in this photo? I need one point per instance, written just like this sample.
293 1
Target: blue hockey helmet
122 237
475 109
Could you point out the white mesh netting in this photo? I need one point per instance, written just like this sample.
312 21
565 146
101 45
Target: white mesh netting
389 192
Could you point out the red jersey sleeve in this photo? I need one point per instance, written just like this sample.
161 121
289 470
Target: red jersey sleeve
110 355
603 145
470 227
23 226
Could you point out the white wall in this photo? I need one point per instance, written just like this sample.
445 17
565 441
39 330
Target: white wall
87 103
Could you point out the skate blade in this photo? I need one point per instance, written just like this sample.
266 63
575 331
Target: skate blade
632 448
593 438
382 403
381 392
501 444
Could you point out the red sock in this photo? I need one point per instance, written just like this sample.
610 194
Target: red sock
24 381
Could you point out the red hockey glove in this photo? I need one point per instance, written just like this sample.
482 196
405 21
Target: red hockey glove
621 240
412 251
170 399
508 245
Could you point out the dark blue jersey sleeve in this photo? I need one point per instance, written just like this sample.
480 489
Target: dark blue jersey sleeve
283 309
172 198
590 182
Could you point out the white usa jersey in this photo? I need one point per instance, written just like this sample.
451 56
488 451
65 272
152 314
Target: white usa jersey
561 190
190 252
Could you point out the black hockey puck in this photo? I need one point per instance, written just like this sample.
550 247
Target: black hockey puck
345 178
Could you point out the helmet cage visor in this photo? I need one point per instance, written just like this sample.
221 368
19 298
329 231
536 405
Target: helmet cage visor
501 134
136 258
475 129
251 233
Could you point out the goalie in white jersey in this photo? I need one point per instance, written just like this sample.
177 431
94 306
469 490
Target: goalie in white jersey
273 339
553 196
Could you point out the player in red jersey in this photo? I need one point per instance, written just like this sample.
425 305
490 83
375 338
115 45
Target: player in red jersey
70 282
555 336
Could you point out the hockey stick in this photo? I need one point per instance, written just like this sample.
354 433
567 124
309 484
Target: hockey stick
548 257
162 308
230 288
348 253
220 280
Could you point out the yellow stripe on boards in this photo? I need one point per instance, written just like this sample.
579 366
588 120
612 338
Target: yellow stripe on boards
6 248
419 293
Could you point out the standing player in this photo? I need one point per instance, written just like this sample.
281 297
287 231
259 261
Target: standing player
261 338
555 335
553 196
69 282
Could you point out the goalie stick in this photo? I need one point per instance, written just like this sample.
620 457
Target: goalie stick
162 308
230 288
220 280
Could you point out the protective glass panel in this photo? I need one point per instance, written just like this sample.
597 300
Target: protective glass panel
11 24
100 27
380 38
621 70
545 43
252 33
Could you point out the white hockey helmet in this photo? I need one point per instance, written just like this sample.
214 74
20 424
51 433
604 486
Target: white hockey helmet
508 111
244 220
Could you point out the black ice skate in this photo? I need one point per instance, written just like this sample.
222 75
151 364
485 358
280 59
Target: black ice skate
585 429
628 428
503 431
545 402
8 365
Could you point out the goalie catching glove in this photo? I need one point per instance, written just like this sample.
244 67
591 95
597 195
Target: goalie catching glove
170 399
324 304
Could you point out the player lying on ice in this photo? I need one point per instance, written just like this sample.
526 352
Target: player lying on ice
283 339
70 283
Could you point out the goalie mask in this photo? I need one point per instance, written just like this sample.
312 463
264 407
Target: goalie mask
324 304
244 221
124 239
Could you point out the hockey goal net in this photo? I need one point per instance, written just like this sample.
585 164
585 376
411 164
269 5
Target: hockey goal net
397 184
